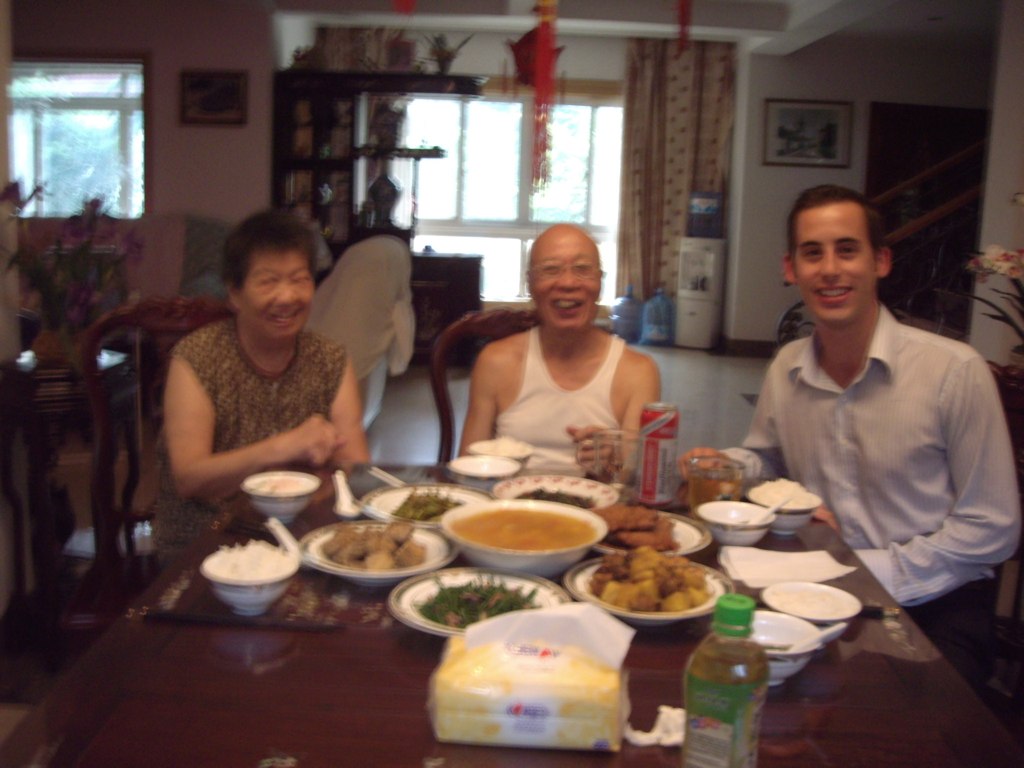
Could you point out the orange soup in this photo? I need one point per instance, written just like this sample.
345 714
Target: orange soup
524 529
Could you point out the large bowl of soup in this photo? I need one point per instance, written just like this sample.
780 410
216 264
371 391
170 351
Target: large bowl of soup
543 538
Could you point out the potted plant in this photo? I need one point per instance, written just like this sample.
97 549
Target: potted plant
443 54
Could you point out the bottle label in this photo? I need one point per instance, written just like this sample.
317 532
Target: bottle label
722 722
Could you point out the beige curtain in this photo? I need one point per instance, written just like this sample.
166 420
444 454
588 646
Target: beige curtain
677 130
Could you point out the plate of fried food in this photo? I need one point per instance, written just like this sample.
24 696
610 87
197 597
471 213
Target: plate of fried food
421 504
647 588
375 553
446 602
565 489
631 526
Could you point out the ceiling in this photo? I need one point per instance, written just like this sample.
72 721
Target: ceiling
766 26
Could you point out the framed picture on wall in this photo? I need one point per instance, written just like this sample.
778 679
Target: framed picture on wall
213 98
816 133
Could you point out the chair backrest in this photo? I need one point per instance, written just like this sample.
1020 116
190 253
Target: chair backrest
148 329
479 326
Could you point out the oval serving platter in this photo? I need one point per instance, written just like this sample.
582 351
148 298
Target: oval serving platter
405 599
689 535
439 552
577 582
599 494
380 504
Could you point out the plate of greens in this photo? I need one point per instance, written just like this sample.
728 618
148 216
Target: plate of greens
446 602
418 504
566 489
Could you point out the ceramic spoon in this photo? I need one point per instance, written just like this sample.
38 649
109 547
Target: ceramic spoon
344 504
284 537
770 511
829 633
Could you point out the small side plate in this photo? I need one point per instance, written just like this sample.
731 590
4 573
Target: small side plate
484 466
815 602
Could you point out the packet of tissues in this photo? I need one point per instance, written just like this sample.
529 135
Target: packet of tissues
550 677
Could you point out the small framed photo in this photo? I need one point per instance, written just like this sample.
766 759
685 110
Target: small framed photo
816 133
213 98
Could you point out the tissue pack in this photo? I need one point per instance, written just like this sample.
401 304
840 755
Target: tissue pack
527 695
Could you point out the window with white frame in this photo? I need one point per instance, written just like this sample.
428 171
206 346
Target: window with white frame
477 199
76 129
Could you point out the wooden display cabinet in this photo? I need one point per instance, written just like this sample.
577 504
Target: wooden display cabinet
329 164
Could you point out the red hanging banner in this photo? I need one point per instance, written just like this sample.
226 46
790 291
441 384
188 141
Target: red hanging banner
404 6
543 86
684 25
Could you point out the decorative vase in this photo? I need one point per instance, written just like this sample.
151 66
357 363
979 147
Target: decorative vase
383 192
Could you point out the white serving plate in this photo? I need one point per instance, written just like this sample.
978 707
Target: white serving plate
439 552
381 503
502 446
487 467
577 582
600 495
404 599
689 535
811 601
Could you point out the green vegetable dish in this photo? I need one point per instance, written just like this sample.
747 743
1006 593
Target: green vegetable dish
561 497
462 605
424 505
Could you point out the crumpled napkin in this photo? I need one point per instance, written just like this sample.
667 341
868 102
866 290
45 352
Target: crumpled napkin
761 567
667 731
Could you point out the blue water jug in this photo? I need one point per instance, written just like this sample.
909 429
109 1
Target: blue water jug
626 313
659 320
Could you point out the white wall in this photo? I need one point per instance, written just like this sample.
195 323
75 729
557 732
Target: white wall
487 53
836 69
1002 222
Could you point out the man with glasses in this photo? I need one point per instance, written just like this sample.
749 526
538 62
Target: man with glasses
565 379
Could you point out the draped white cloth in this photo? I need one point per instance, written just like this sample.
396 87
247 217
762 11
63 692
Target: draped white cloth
365 305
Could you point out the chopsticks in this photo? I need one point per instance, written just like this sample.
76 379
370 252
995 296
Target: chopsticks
387 477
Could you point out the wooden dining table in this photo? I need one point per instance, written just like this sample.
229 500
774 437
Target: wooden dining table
329 678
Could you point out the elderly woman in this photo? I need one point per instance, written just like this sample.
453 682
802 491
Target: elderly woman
256 391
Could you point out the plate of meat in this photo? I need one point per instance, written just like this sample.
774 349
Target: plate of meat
631 526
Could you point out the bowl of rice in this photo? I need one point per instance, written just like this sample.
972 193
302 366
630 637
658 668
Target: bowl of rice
250 577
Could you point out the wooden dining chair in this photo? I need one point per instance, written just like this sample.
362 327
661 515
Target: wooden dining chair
479 327
139 338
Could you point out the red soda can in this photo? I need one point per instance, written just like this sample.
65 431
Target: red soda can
659 432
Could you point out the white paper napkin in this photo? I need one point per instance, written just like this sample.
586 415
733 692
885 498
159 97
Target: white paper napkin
668 730
761 567
344 503
581 624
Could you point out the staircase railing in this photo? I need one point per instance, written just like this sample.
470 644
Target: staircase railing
932 224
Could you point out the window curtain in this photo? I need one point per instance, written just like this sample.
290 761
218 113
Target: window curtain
677 126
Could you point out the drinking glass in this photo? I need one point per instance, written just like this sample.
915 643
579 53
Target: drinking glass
611 456
713 478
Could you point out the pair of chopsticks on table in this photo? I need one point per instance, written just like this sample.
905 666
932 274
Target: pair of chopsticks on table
387 477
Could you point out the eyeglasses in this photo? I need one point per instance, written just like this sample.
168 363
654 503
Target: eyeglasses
580 271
